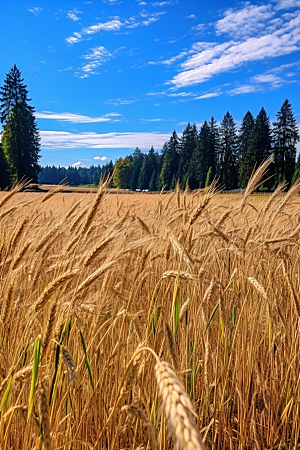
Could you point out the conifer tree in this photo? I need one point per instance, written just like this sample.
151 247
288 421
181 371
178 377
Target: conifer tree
247 162
214 145
135 168
229 155
170 161
286 136
20 137
202 158
188 144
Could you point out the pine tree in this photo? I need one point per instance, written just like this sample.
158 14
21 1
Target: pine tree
20 137
229 154
214 145
147 169
170 161
246 163
286 136
202 158
135 168
188 144
4 179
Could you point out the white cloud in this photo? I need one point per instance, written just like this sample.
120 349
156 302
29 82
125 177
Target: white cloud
71 117
78 164
266 78
151 120
287 4
209 63
162 3
56 140
246 21
191 16
115 25
35 10
72 16
111 25
119 101
209 95
245 89
169 61
101 158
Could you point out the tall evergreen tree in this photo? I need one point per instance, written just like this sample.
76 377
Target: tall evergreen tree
20 137
229 155
188 144
214 145
246 162
147 169
135 168
170 161
286 136
202 158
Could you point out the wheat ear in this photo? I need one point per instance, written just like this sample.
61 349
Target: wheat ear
178 408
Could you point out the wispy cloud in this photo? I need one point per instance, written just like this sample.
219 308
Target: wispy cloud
35 10
166 3
78 164
231 55
74 118
287 4
208 95
56 140
191 16
245 22
119 101
256 33
143 19
73 15
111 25
151 120
170 60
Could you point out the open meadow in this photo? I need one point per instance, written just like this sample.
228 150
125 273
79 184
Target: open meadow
131 321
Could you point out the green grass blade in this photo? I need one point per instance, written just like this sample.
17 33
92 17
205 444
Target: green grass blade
87 362
5 402
34 377
212 315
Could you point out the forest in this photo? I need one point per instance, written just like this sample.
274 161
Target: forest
200 155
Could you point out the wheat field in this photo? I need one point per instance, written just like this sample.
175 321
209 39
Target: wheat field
150 321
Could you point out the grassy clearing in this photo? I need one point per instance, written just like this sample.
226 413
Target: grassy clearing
101 294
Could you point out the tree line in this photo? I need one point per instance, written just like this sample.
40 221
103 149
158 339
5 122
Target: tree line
75 176
196 158
219 151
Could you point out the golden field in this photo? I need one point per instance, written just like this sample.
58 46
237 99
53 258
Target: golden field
98 292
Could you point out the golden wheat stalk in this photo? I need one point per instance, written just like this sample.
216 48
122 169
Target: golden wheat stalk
178 408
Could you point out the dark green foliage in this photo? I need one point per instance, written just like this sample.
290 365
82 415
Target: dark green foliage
202 159
229 153
148 167
135 168
75 176
170 161
286 136
247 161
188 144
20 137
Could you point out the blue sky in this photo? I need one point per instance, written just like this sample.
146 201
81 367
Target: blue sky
106 76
